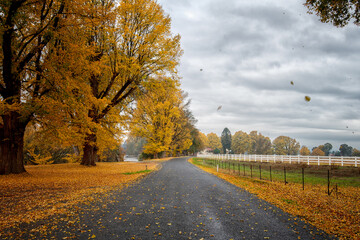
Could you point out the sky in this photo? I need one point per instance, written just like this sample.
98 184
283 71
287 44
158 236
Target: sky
245 55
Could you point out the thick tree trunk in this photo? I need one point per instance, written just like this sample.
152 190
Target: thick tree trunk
12 144
90 151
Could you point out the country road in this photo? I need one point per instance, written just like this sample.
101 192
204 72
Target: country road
181 201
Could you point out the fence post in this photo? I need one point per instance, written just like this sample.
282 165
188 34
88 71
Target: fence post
290 159
342 161
255 157
282 158
308 160
328 182
274 158
329 160
260 170
355 161
318 160
303 178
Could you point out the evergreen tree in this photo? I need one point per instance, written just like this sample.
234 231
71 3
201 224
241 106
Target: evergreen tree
226 140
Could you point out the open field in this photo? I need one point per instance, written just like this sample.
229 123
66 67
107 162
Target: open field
337 214
313 174
53 189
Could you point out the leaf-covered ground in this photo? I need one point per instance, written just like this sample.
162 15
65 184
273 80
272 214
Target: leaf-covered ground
46 190
338 214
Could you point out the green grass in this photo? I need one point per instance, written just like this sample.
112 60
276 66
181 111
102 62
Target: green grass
138 172
342 176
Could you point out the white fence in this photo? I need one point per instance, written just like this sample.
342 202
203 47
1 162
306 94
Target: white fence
314 160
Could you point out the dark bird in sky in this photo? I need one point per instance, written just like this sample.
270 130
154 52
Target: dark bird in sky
219 107
291 82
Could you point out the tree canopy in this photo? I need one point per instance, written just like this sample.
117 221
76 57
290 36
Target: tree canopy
284 145
337 12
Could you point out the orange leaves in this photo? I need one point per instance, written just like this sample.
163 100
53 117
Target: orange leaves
159 117
47 190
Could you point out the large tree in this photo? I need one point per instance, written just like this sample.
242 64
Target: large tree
34 46
159 117
129 51
226 140
284 145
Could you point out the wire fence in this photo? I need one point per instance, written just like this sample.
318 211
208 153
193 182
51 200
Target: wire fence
330 176
309 160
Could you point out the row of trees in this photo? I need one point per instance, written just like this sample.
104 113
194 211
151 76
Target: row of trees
72 72
256 143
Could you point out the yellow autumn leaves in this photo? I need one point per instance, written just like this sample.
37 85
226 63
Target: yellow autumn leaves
162 118
81 66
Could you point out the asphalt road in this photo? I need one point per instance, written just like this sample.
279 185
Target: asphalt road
180 202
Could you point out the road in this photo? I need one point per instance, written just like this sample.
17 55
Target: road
181 201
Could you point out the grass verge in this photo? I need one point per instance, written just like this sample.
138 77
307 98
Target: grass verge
338 214
46 190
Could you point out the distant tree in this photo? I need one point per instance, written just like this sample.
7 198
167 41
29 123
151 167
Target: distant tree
197 144
284 145
327 148
241 143
356 153
204 139
216 151
317 152
260 143
345 150
337 12
226 140
304 151
213 141
337 153
134 145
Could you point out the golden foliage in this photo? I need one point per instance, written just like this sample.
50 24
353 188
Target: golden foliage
160 119
304 151
336 214
284 145
214 141
241 142
317 152
47 190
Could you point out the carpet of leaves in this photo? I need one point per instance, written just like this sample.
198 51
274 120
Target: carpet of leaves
337 214
46 190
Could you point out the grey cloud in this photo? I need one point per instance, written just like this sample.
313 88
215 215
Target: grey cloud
249 53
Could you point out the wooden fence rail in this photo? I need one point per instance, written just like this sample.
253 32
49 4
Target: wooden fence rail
314 160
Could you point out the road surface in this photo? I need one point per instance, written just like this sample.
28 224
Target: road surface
180 201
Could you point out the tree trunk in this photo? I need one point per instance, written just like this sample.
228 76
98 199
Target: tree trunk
12 144
90 151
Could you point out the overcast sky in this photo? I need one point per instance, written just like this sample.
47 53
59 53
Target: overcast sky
243 55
